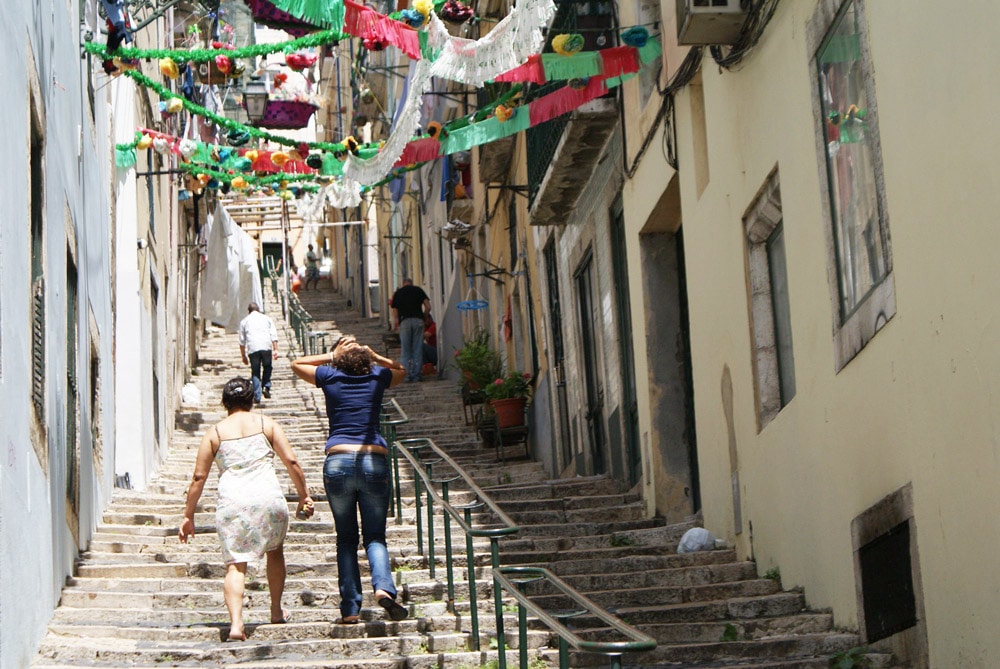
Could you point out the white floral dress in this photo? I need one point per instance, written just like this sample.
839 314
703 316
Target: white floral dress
252 515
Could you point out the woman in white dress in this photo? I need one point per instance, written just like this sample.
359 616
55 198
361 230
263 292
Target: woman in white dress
251 514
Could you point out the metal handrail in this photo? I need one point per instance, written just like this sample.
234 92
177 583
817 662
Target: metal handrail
388 429
462 514
614 649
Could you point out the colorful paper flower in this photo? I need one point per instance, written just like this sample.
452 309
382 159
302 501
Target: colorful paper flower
566 44
174 105
144 142
169 69
224 64
161 145
279 158
300 61
187 147
636 36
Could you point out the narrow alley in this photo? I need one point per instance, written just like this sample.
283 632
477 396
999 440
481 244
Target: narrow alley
140 598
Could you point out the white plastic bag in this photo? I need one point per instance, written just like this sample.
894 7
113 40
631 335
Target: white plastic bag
696 539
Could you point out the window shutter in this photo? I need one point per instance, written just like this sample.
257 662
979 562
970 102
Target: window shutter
38 346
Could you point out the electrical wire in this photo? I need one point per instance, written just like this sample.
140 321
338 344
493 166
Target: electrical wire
758 16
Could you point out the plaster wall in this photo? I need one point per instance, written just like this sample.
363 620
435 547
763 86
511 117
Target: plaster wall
918 403
39 538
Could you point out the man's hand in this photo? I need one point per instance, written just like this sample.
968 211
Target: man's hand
274 354
246 360
186 530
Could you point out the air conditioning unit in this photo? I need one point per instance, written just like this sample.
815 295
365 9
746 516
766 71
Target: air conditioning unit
702 22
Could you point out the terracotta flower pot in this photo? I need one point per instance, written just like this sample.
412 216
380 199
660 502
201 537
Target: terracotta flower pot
510 412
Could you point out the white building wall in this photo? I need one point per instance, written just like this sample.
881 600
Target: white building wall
40 45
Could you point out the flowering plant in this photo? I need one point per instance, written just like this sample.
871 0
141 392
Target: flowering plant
479 363
514 384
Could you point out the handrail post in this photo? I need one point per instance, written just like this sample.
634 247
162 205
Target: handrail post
522 628
616 662
470 558
417 505
399 488
498 603
430 523
447 551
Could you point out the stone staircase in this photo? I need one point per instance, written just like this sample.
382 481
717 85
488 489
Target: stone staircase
140 598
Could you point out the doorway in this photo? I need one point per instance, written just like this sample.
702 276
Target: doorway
591 364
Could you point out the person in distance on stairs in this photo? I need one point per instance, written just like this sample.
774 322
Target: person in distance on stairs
251 514
356 471
258 336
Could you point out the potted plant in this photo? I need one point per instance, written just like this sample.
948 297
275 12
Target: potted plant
508 396
478 362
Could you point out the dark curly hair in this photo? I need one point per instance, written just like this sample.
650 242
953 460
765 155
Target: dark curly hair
238 394
355 361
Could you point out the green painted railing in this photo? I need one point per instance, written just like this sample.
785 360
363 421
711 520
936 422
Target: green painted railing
422 455
388 426
515 579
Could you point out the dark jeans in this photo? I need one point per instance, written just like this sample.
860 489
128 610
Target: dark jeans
259 359
353 482
411 343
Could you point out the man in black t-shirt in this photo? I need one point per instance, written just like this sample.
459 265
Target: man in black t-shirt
409 305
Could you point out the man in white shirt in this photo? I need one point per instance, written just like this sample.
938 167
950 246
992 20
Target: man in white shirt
258 336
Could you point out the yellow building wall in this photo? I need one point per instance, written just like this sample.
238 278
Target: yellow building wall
919 403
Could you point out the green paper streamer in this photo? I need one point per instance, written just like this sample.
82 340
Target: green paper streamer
223 121
650 51
426 52
204 55
326 13
332 166
618 81
577 66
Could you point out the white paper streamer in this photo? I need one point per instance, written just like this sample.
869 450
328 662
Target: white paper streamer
471 62
339 194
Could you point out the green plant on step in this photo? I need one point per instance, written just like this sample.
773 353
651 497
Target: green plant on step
773 573
730 633
507 478
538 663
422 649
510 608
853 658
620 540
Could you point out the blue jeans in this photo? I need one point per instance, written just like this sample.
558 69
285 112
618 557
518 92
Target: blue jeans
411 340
260 361
353 481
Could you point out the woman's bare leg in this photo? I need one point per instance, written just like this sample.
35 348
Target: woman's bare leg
232 590
276 582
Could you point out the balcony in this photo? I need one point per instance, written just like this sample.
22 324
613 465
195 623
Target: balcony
562 154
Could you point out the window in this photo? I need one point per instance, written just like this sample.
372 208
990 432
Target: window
770 315
861 261
37 213
72 397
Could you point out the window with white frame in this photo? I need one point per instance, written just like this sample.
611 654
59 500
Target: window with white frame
770 314
860 254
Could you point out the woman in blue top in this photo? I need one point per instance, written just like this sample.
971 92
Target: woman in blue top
356 471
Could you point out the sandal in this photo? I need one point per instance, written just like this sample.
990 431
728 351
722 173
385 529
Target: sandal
348 620
395 610
286 616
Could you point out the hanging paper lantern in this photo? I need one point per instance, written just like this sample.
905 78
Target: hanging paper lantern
314 160
239 183
224 64
144 142
161 145
455 11
503 112
433 128
174 105
566 44
636 36
279 158
169 69
187 147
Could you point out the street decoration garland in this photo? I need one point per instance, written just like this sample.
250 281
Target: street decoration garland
369 165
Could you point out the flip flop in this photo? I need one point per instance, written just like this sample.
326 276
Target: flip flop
395 610
286 616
